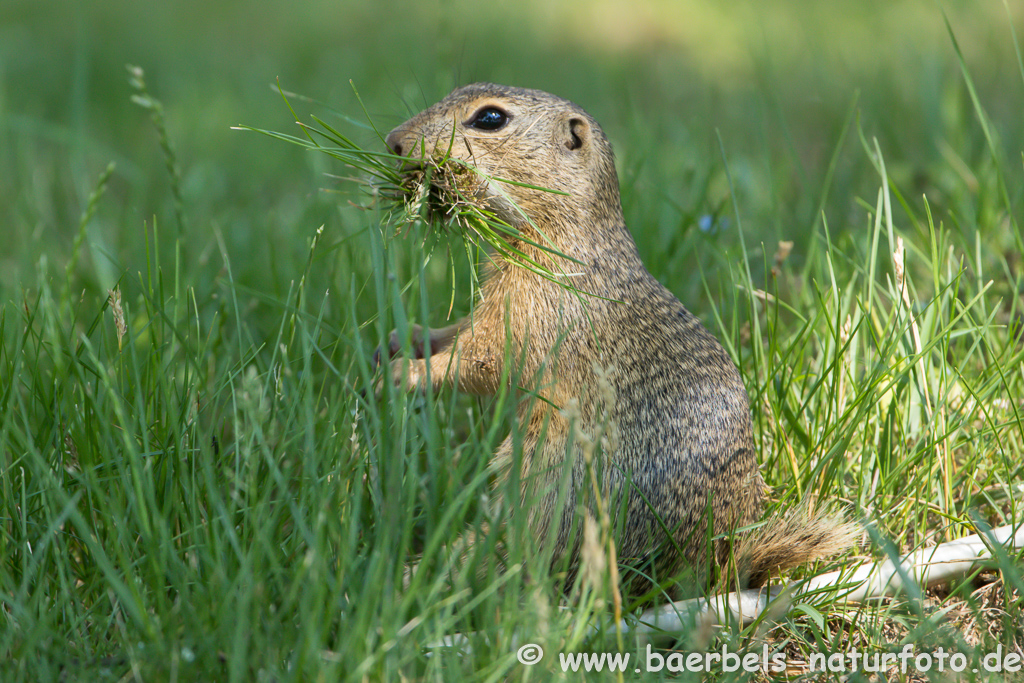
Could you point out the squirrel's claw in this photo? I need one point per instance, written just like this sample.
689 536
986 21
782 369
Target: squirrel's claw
394 346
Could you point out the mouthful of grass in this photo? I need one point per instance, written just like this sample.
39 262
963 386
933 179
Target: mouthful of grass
436 191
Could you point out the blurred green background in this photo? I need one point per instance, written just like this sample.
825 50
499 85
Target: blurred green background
777 80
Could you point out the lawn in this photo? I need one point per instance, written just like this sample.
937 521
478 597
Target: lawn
196 481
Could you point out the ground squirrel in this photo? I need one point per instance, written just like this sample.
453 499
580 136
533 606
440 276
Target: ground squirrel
620 356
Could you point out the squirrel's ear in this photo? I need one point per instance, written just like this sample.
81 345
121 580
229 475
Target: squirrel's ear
575 133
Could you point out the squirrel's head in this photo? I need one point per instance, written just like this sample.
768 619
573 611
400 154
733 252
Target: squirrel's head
514 138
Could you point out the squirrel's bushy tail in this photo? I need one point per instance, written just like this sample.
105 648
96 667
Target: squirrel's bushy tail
790 539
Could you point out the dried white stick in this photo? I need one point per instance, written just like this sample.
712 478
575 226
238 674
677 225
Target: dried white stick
926 567
871 580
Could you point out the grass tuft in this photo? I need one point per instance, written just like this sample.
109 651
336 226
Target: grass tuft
433 190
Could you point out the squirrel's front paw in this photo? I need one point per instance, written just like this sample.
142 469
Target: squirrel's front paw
394 346
411 372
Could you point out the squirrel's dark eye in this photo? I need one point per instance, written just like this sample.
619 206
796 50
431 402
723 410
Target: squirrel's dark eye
488 118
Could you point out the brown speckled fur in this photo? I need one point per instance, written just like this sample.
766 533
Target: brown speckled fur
678 427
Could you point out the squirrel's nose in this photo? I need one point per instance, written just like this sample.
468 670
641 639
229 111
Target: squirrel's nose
396 141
